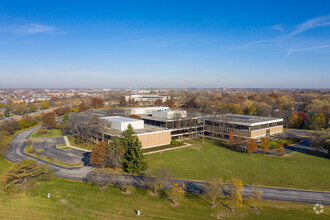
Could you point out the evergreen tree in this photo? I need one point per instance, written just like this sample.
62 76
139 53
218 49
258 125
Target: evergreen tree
134 160
128 136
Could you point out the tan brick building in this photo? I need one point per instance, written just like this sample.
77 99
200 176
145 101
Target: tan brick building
243 126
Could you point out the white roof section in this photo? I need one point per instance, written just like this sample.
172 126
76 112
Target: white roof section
144 110
119 119
247 120
121 123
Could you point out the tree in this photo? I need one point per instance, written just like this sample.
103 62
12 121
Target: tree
296 120
122 102
99 155
83 107
286 102
192 103
170 103
236 193
214 189
7 112
177 191
264 145
251 146
280 150
321 120
45 105
158 102
135 117
134 160
49 120
116 152
62 110
231 138
97 102
323 139
255 195
25 174
157 180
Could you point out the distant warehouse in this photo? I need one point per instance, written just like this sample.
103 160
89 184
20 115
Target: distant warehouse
146 98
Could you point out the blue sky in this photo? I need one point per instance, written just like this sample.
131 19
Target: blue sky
167 44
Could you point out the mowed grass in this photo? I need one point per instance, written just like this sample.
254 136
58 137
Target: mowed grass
4 165
212 159
86 145
51 133
78 200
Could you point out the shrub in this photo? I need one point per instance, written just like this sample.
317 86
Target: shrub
177 143
25 174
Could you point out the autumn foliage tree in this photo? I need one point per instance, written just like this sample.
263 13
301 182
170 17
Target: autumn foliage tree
231 138
251 145
170 103
236 193
158 102
97 102
321 120
177 191
99 156
49 120
264 145
280 150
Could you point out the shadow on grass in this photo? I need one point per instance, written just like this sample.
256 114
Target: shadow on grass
312 153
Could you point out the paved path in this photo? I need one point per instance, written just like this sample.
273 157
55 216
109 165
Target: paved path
194 186
16 153
67 142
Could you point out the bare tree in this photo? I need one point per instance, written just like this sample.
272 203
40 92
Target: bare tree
255 195
214 189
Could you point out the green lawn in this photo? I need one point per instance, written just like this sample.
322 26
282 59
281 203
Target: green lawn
51 133
4 165
78 200
212 159
87 146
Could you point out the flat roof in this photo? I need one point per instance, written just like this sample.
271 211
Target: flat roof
249 120
119 119
145 116
146 129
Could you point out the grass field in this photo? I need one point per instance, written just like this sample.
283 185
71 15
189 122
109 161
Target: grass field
87 146
77 200
51 133
212 159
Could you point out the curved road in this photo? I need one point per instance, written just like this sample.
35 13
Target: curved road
16 153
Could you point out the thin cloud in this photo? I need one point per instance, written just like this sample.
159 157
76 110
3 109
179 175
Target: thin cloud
290 51
289 38
29 29
311 24
277 27
35 29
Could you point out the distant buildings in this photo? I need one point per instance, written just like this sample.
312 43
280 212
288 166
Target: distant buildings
146 98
